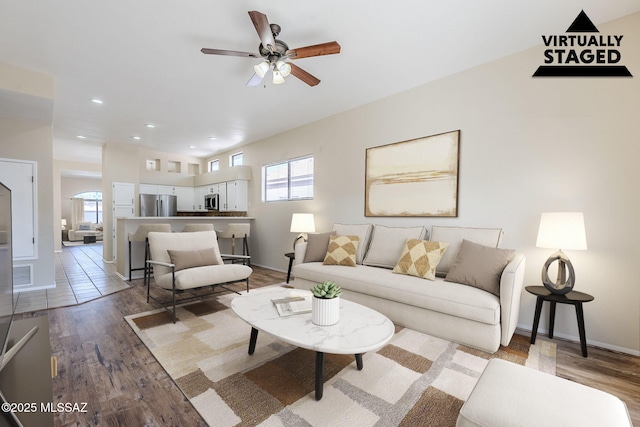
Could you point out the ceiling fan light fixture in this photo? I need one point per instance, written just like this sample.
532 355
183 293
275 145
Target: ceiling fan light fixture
283 67
261 68
277 77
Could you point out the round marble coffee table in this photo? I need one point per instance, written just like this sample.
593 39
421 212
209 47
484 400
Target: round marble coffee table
359 330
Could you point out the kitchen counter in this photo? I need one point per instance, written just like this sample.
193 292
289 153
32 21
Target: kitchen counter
211 213
126 225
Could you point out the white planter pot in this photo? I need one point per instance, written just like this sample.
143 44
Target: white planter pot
325 312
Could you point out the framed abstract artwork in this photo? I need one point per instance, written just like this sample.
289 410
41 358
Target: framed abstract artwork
415 178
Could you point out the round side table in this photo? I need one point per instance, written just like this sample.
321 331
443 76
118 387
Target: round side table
574 298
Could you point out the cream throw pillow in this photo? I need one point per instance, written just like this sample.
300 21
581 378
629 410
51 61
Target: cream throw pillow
480 266
342 251
420 258
387 244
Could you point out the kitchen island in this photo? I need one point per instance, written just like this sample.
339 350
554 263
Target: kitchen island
126 225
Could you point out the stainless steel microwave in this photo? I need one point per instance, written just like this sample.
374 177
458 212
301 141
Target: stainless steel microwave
212 202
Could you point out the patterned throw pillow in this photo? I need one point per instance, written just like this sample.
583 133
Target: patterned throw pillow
342 251
420 258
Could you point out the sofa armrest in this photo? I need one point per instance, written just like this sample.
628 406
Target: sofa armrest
511 285
300 250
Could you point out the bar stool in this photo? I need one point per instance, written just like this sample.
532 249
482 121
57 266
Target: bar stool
141 236
236 231
188 228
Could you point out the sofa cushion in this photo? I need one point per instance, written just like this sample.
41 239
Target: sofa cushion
198 277
342 251
455 235
363 231
317 245
480 266
420 258
189 259
445 297
84 226
387 243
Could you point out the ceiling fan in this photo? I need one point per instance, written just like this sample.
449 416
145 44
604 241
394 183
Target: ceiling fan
276 53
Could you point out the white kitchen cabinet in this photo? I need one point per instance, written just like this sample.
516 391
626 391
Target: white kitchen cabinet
167 189
199 193
186 198
148 189
123 194
236 196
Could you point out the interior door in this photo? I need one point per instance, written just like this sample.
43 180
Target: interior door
20 177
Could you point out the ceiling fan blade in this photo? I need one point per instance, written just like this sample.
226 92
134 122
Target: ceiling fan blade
328 48
255 80
303 75
229 53
263 28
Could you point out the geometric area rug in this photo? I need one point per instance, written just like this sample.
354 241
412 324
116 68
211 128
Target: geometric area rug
414 380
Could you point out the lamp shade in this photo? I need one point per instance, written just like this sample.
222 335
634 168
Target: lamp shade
562 230
277 77
284 68
302 223
261 68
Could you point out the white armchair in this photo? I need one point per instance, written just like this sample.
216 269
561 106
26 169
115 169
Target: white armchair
183 262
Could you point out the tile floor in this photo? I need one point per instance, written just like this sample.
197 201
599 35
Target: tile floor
81 275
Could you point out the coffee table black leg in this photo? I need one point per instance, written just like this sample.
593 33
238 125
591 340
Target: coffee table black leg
536 319
359 361
252 341
583 337
552 317
319 374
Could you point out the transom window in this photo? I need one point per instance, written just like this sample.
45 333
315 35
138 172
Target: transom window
288 180
214 165
235 159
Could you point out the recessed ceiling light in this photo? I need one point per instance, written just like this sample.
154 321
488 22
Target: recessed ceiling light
97 101
150 125
192 146
212 138
137 138
80 136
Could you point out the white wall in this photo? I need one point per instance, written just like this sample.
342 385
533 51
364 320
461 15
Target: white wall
26 107
528 145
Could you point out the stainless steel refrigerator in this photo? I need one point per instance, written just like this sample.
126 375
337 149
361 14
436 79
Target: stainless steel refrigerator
158 205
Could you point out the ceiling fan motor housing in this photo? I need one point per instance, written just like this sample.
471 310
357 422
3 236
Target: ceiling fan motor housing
279 50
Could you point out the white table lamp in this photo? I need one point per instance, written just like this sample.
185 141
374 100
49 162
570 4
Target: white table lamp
302 223
64 223
561 230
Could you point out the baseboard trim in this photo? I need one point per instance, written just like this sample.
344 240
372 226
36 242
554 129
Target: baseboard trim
526 330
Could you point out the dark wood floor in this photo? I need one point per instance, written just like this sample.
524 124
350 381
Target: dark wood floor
102 362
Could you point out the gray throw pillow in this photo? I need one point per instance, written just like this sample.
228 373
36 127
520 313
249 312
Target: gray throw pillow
189 259
317 245
480 266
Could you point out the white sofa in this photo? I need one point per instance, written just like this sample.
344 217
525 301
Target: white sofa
85 229
449 310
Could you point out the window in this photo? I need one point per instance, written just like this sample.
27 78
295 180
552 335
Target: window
214 165
92 206
235 159
289 180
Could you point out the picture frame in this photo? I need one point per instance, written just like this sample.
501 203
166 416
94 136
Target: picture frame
413 178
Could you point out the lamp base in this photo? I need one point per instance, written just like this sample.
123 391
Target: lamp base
566 274
301 236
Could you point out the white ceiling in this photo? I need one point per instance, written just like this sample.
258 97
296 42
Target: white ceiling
143 59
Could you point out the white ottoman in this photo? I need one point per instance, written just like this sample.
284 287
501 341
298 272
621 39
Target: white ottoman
511 395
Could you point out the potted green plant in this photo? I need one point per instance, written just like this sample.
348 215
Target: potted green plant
325 305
